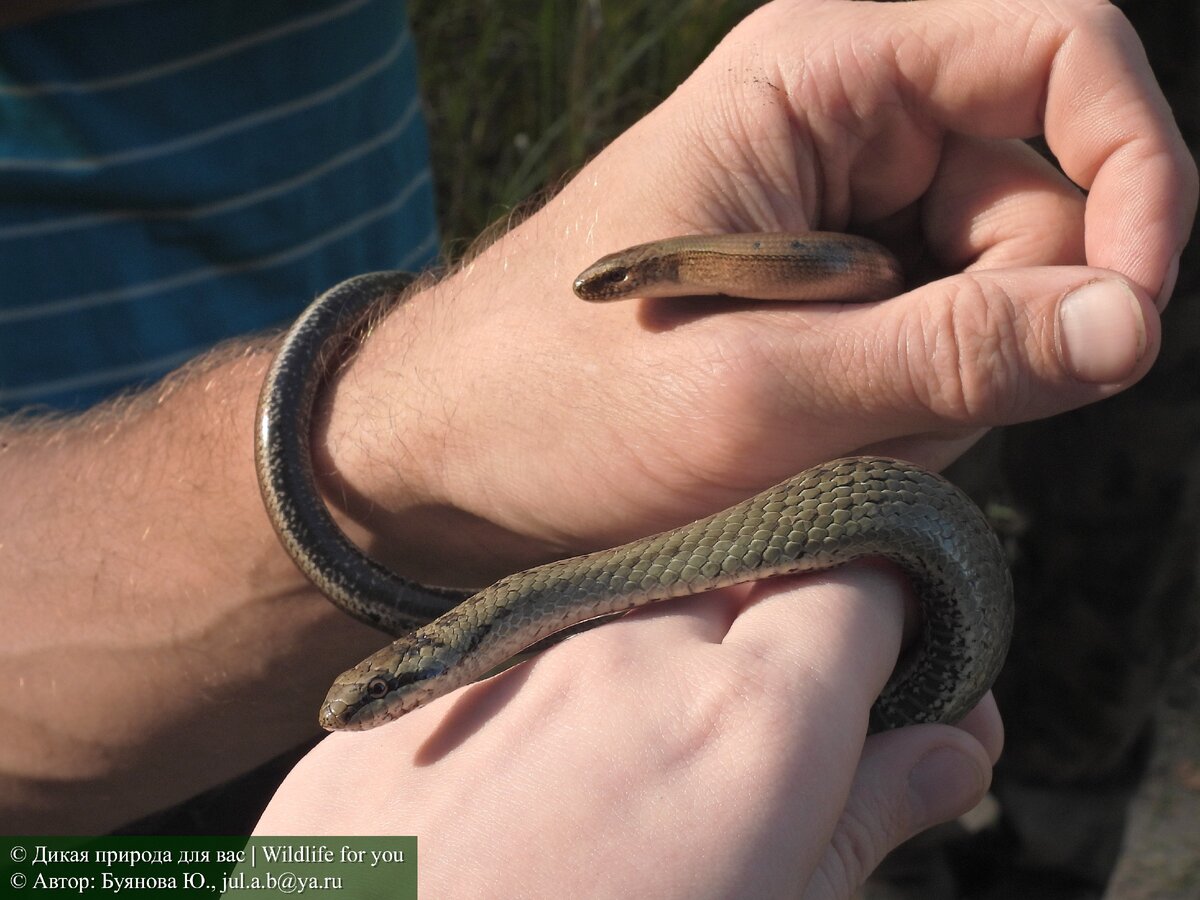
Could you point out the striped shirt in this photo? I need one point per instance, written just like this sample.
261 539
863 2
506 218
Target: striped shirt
174 172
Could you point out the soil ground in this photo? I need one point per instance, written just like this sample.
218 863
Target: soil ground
1162 850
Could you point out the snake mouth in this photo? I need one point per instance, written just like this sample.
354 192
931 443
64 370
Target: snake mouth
335 714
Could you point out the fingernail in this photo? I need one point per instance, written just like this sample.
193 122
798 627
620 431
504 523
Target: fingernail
944 783
1101 332
1168 285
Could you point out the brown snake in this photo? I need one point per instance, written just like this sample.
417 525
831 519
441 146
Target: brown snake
824 517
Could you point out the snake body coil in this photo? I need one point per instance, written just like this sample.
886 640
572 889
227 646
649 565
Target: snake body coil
824 517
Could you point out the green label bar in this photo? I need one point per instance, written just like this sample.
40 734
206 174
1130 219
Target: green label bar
211 867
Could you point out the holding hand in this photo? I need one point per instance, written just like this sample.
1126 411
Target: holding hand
528 425
709 747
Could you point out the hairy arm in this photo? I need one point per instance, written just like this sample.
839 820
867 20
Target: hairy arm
150 612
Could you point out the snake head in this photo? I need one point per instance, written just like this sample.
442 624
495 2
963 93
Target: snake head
647 270
382 687
347 705
605 280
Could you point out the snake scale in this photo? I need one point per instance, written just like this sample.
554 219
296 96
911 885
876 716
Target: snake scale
826 516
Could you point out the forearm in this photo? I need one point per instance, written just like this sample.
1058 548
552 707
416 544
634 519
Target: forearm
150 612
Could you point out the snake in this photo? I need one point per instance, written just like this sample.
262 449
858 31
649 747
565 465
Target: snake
831 514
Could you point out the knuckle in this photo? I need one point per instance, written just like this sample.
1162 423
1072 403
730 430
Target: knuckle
857 846
968 361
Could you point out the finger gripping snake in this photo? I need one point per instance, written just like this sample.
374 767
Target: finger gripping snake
824 517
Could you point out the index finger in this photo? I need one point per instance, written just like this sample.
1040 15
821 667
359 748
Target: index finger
1075 71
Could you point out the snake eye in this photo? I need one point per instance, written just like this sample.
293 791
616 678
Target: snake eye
377 688
618 275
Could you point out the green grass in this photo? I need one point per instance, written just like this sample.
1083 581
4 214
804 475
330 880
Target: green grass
520 92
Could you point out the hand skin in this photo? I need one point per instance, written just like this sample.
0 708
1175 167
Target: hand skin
495 422
685 751
886 119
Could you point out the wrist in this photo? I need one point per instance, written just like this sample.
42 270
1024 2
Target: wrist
425 440
394 439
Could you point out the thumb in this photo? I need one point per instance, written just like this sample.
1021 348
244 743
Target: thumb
997 346
907 781
1084 333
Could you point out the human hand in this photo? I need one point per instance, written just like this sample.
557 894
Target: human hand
684 751
496 421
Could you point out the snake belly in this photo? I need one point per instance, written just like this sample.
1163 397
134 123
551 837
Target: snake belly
824 517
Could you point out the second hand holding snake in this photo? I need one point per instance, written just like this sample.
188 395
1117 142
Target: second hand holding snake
824 517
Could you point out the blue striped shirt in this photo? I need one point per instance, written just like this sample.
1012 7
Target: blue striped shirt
174 172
